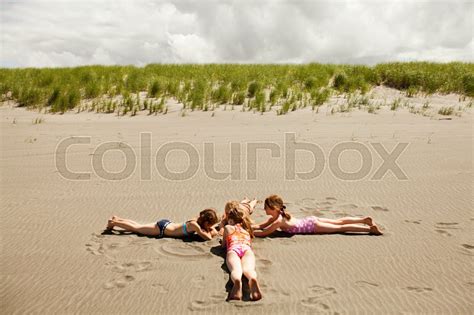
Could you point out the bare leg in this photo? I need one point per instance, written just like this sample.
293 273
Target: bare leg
132 226
115 219
248 266
327 228
249 204
235 268
348 220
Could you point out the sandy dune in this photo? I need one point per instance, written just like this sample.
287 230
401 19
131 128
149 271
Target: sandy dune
55 259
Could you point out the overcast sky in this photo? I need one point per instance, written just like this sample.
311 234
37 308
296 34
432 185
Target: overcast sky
47 33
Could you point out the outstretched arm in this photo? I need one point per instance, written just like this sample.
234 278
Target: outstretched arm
264 224
269 230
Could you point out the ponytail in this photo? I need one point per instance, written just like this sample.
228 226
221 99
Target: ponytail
275 202
285 214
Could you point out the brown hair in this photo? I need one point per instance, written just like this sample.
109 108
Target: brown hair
237 215
275 202
207 215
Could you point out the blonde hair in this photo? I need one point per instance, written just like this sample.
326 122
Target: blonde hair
233 204
275 202
239 216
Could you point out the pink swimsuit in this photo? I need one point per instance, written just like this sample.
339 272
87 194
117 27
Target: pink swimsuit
239 241
304 226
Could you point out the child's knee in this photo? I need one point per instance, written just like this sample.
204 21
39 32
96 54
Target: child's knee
250 274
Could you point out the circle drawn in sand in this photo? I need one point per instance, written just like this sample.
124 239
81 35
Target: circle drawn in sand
184 250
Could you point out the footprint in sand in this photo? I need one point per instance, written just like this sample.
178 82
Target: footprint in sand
160 288
348 206
264 262
131 266
442 227
467 249
100 245
184 250
413 221
379 208
119 283
341 214
444 233
447 225
95 249
311 206
198 282
419 289
316 292
319 291
206 304
366 284
263 265
313 302
96 246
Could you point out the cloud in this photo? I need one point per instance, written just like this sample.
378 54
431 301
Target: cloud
49 33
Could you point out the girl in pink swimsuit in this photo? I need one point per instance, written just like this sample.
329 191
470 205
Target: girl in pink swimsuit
240 258
281 219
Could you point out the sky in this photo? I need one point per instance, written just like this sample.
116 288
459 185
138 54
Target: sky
59 33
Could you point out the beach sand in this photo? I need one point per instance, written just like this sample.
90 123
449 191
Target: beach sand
55 259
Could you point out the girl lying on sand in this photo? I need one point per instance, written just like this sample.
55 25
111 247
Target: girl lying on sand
281 219
240 258
246 205
202 226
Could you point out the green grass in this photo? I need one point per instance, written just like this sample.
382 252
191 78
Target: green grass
446 111
114 89
395 104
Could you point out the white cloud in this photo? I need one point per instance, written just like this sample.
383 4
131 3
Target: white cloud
46 33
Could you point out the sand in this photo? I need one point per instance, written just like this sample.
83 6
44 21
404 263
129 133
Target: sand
55 259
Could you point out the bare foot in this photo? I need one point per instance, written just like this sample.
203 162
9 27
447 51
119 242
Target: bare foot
374 230
110 223
368 221
236 292
255 293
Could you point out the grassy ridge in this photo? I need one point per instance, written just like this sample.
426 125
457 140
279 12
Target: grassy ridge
201 87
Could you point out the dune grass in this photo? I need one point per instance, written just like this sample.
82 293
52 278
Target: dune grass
127 90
